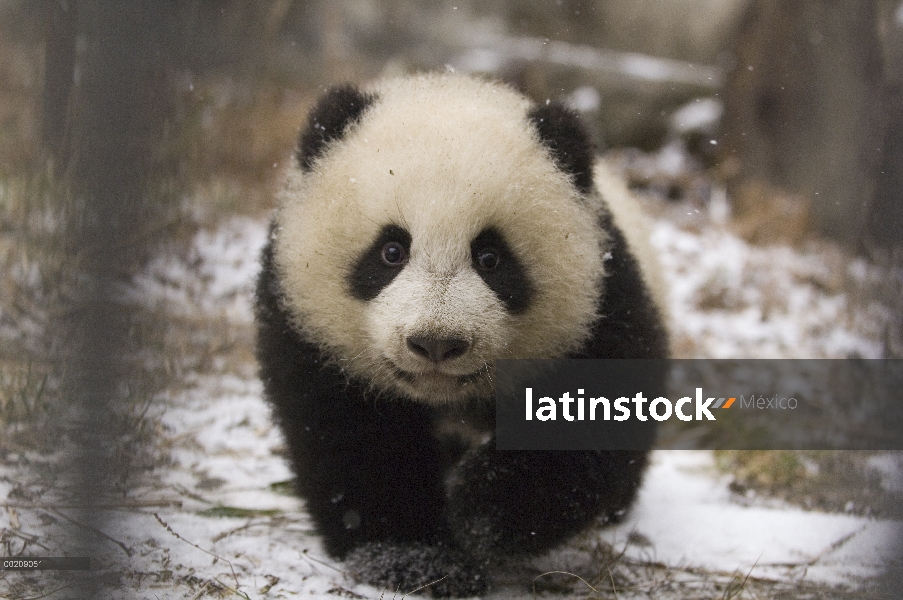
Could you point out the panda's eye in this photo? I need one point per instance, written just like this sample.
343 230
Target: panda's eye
394 254
488 259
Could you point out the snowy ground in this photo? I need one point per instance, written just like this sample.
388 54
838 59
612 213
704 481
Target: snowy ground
690 519
216 518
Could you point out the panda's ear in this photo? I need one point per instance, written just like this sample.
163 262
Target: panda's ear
338 108
562 132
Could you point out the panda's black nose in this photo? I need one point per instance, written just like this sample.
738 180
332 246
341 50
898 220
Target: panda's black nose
437 349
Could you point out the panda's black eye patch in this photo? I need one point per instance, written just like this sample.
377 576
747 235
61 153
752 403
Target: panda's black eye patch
500 269
380 263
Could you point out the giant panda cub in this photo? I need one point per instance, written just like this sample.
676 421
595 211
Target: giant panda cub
432 225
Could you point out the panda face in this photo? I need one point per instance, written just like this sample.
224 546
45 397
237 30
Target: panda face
435 235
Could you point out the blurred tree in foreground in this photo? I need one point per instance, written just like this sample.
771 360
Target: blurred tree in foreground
105 109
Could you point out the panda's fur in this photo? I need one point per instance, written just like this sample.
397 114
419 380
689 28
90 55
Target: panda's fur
432 225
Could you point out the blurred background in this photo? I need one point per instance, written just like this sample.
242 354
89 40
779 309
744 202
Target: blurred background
141 142
790 104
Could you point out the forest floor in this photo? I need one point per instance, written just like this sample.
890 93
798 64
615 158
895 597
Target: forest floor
208 509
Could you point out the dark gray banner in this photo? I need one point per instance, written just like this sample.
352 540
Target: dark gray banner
712 404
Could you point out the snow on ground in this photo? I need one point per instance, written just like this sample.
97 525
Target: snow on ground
223 521
215 277
687 514
764 302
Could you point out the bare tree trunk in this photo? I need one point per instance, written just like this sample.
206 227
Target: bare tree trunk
808 109
114 119
59 71
886 223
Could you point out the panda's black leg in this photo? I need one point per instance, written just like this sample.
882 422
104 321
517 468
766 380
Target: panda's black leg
379 501
370 471
521 503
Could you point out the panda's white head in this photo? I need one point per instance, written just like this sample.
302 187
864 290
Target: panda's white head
437 223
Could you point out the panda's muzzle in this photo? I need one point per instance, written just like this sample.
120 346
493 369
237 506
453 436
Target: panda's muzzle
437 350
414 378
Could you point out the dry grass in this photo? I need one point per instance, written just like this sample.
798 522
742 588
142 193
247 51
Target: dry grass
825 480
611 575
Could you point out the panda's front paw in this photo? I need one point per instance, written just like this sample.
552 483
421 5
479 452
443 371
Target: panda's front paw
411 566
480 536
